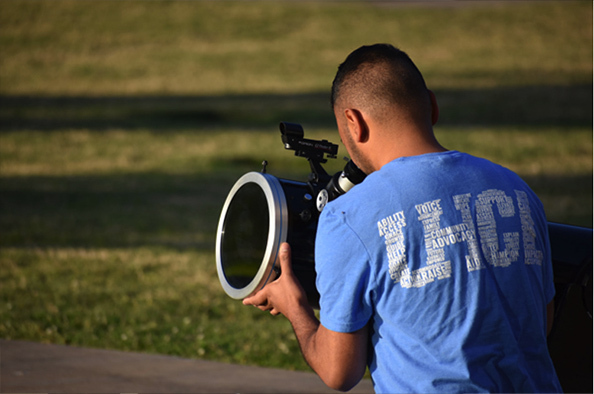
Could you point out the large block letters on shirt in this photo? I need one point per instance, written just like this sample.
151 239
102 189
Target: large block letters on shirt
478 232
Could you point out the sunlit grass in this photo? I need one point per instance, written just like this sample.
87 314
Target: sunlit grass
61 47
554 151
84 152
539 151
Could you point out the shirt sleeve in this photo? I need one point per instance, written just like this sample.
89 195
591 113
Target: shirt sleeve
343 275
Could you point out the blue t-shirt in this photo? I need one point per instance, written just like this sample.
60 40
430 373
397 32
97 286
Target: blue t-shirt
447 256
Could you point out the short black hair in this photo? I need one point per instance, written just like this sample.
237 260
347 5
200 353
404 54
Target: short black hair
381 74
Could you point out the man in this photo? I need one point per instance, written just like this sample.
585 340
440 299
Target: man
435 272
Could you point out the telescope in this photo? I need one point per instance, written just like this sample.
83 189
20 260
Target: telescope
262 211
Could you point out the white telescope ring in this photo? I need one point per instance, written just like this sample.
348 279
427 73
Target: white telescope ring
277 232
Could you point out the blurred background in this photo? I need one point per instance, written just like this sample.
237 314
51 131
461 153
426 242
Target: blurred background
123 125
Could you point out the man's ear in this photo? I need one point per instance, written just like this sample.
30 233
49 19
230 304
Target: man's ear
434 108
357 125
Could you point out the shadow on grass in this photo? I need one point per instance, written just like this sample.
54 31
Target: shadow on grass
112 211
178 211
562 106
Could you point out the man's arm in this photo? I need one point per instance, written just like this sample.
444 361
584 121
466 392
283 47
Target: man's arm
338 358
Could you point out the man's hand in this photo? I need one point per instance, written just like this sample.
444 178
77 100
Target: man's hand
338 358
283 296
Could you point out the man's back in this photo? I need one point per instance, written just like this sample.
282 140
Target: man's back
449 257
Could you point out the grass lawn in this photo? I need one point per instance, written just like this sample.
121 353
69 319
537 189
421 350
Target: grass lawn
123 125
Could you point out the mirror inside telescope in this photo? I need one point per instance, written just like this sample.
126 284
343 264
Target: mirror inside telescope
244 235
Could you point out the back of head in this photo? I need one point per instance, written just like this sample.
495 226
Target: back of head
383 81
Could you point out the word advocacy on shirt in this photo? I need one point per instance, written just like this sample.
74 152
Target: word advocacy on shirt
438 239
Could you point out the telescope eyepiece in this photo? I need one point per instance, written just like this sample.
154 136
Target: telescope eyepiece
353 173
340 183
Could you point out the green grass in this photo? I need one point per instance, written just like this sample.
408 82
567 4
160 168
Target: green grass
161 301
123 125
240 47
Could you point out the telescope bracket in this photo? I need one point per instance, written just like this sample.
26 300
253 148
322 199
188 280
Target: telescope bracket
316 152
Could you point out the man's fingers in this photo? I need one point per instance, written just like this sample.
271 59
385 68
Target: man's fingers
274 312
255 299
284 255
261 299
